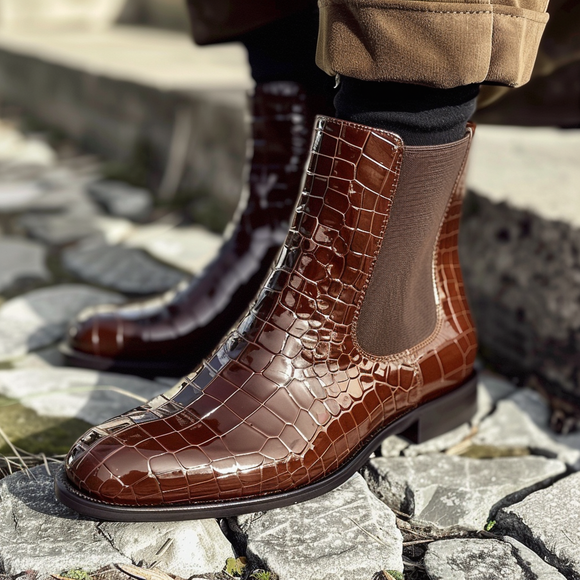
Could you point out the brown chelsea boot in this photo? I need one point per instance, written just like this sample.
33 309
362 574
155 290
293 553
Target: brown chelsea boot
170 335
361 330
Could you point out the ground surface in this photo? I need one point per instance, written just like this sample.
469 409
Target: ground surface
496 498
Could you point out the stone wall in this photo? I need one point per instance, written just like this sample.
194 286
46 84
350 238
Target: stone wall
520 250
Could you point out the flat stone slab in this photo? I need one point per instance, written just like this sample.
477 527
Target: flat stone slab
77 393
60 229
485 559
121 199
520 164
120 268
39 318
346 534
531 562
21 259
448 492
16 196
522 420
549 522
49 357
189 248
60 191
195 547
127 53
37 533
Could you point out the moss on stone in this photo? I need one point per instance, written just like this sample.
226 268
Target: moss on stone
493 452
29 431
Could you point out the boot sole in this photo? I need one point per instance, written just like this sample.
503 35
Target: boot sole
430 420
148 369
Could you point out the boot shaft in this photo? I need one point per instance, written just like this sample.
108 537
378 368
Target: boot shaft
369 273
282 116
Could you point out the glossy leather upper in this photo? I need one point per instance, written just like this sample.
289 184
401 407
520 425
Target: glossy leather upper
288 395
187 322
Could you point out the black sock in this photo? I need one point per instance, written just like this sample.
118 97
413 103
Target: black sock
285 50
420 115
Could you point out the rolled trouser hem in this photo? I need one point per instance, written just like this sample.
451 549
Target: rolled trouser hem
439 44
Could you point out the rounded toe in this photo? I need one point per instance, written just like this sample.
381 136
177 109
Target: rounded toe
129 469
106 470
95 331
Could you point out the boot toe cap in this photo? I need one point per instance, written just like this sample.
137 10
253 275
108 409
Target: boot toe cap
96 331
110 470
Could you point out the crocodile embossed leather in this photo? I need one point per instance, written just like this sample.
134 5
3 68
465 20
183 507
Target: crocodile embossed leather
290 404
170 335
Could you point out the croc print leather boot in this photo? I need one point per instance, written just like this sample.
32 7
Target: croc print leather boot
360 331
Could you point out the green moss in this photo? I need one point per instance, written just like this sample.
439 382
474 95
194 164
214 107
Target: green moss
492 452
235 567
29 431
395 575
490 525
79 574
261 575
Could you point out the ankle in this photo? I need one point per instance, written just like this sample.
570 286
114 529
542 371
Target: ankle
284 50
419 115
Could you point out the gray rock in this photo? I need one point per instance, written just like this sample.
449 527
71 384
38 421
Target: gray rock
441 443
394 446
38 533
121 199
490 389
124 269
21 259
549 522
40 317
17 196
450 492
346 534
196 547
521 164
531 562
16 150
522 420
521 231
64 192
489 559
66 393
70 227
45 358
189 248
60 229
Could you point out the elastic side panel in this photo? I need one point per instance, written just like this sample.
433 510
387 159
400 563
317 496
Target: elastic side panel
399 309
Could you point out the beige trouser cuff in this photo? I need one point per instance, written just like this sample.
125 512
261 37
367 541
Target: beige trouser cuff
441 44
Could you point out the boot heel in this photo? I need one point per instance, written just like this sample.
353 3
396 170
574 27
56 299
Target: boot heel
444 414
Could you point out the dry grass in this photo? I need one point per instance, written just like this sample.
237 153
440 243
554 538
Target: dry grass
21 460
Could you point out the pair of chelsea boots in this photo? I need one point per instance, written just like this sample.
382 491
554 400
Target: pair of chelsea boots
360 330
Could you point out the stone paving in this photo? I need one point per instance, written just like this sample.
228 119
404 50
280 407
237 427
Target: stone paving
495 498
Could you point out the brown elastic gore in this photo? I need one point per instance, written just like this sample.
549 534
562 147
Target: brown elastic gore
399 309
